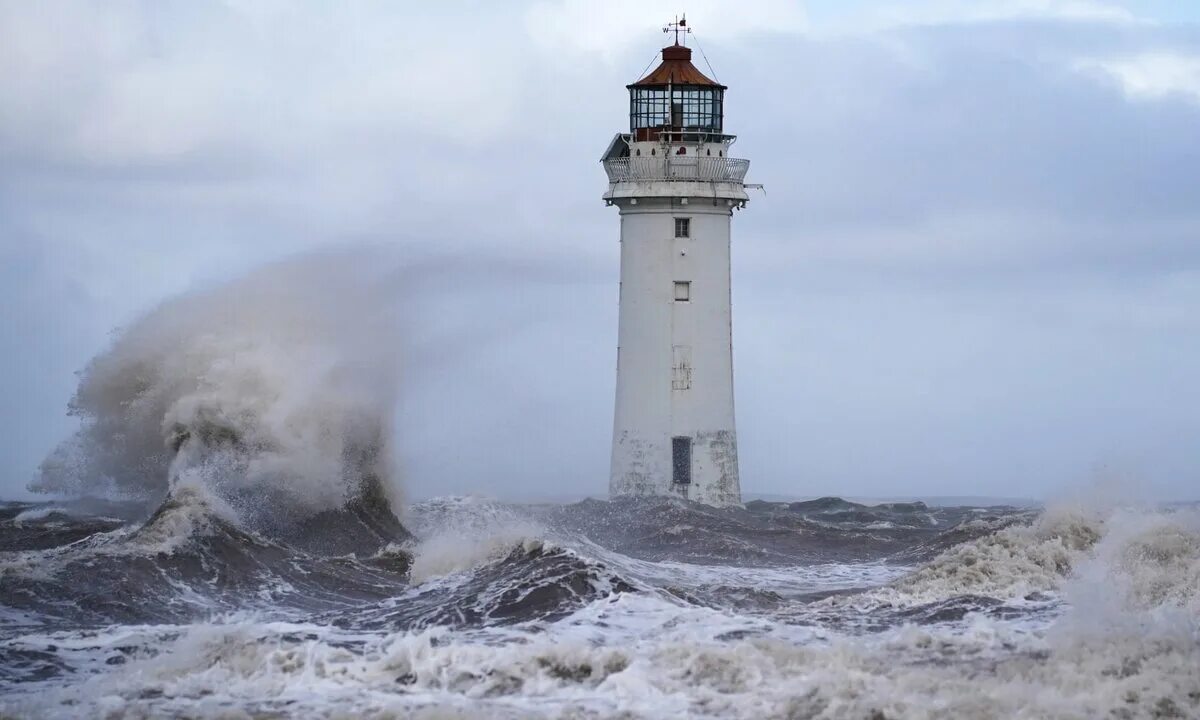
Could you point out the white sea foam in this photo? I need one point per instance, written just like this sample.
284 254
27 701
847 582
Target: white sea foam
678 664
453 551
1010 563
35 514
460 533
191 513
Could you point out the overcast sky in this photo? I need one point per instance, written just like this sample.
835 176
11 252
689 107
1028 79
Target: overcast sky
975 269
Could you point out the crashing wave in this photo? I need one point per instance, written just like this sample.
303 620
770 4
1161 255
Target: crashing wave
1130 559
276 392
1011 562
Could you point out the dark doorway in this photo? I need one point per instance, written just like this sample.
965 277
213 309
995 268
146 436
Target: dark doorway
681 460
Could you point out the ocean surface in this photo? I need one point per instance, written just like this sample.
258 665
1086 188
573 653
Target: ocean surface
465 607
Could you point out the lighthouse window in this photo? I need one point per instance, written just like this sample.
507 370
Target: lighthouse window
683 290
681 460
683 227
648 107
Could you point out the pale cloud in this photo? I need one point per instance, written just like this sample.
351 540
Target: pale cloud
957 12
122 83
1151 75
608 29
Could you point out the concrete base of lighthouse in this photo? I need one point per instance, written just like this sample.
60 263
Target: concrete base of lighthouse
674 431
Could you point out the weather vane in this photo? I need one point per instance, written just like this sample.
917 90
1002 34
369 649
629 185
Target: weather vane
679 26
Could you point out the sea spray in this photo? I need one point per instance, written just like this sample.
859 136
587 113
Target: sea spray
276 391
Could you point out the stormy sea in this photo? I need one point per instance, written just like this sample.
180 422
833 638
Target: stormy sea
226 536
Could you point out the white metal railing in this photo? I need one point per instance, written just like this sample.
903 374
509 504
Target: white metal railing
677 167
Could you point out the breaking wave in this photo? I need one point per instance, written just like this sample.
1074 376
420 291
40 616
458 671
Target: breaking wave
1014 561
275 393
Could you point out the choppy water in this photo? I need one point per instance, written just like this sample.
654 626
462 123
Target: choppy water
647 608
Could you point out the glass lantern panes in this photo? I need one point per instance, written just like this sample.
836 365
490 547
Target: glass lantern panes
684 107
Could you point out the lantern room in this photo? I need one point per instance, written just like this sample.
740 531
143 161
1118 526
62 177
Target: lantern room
676 102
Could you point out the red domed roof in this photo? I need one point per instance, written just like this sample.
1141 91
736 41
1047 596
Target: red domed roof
676 69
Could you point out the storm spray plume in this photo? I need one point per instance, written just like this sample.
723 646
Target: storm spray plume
273 394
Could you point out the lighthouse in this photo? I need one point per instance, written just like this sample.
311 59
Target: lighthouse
676 187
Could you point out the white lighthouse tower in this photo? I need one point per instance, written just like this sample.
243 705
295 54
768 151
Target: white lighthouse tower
676 187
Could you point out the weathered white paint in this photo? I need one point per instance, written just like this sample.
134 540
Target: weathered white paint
674 360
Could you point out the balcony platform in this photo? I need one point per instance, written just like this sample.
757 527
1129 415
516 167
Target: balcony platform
677 176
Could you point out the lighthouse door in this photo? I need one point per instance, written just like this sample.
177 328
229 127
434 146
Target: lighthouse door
681 460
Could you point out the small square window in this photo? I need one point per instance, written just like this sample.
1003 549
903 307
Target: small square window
683 290
683 227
